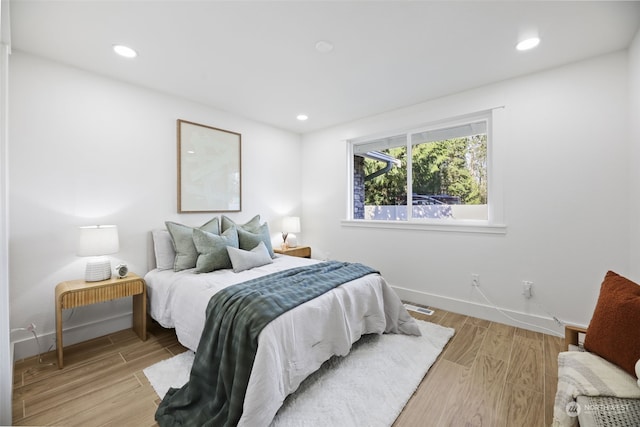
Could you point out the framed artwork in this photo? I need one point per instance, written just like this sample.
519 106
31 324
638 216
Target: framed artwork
209 169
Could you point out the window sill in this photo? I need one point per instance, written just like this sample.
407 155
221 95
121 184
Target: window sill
459 226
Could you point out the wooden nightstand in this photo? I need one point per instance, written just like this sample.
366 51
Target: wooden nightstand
77 293
299 251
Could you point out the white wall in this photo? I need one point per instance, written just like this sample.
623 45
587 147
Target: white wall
6 362
566 193
634 157
89 150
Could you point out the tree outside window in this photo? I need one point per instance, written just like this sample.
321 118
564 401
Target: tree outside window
448 174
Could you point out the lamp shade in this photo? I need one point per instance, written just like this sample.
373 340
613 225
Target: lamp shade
291 224
96 240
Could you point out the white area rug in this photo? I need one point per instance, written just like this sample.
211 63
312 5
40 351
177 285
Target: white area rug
370 386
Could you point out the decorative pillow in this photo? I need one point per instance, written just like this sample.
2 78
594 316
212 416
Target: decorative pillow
253 225
212 249
181 236
244 260
249 240
613 332
163 249
638 371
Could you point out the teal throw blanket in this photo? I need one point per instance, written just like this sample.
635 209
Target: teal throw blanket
214 395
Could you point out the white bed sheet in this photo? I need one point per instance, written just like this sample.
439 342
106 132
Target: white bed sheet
295 344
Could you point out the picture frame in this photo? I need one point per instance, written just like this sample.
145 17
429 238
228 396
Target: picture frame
209 168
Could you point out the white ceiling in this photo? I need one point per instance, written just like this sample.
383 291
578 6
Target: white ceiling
258 59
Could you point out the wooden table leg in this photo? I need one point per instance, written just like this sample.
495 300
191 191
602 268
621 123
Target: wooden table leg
140 315
59 333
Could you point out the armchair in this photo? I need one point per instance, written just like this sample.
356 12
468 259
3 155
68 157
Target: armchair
598 385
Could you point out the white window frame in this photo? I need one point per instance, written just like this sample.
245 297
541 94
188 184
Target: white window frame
495 224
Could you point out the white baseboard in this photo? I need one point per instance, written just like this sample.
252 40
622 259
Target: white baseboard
11 353
528 321
28 347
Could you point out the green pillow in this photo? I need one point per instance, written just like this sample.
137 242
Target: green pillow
182 239
249 240
212 249
253 225
244 260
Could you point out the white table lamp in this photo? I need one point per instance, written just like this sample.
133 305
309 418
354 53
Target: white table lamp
97 241
290 225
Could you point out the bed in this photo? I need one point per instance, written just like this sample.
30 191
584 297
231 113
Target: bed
293 345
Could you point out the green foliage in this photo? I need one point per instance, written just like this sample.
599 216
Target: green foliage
457 167
389 187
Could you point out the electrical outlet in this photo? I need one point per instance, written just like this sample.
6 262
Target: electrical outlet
475 280
526 288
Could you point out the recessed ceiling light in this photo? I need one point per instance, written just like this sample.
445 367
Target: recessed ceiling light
302 117
324 46
125 51
528 43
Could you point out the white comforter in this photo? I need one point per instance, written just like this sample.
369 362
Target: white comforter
293 345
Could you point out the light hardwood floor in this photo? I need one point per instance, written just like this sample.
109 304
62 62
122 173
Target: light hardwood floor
489 374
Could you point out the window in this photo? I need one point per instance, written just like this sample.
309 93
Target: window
445 166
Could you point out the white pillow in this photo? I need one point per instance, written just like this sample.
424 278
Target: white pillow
163 249
244 260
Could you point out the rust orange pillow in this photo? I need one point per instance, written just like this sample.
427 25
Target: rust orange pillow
614 330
